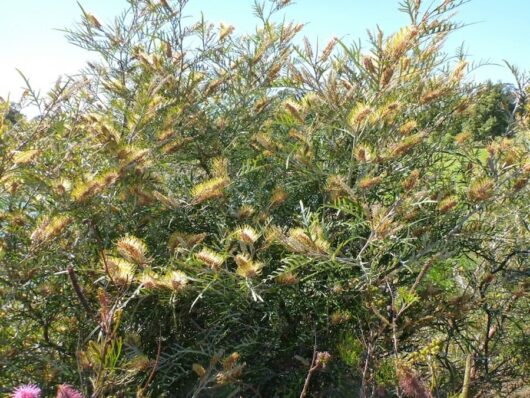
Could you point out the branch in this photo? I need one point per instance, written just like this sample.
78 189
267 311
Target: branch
78 290
312 368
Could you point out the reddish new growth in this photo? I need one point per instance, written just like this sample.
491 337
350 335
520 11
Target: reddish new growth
411 385
66 391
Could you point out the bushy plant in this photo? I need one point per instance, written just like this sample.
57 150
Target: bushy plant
206 213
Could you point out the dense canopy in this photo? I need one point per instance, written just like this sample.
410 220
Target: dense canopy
205 213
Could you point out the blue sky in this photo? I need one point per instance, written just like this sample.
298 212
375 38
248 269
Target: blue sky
29 39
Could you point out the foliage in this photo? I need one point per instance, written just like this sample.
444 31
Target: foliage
491 112
203 213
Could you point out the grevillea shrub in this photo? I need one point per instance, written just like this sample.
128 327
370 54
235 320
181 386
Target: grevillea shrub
207 213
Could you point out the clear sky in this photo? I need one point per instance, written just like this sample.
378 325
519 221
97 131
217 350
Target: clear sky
30 41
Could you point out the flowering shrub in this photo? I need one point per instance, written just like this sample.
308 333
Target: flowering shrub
207 213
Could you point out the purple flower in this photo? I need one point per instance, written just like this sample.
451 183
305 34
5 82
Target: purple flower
26 391
66 391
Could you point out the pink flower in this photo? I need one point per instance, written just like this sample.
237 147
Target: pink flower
26 391
66 391
411 385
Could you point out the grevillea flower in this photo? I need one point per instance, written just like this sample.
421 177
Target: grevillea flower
323 359
26 391
66 391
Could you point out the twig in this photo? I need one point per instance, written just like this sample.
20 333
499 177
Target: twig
314 366
155 366
467 373
78 290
